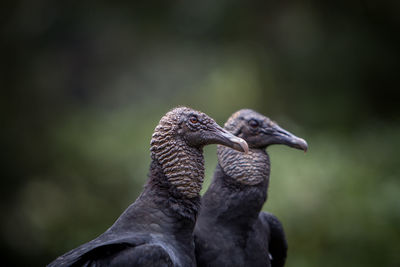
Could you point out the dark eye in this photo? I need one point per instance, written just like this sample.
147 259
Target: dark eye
253 123
194 119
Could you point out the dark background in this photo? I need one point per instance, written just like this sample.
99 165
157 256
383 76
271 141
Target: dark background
84 83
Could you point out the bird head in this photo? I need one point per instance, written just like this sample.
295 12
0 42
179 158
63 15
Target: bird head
177 145
260 132
196 129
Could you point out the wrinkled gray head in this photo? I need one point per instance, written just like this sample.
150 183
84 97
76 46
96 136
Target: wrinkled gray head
177 145
259 131
196 129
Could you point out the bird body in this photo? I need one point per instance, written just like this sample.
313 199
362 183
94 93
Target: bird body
230 215
157 229
231 229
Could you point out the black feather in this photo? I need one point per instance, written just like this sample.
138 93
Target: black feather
231 230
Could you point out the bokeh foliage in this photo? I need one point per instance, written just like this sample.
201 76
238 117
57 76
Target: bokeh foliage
84 83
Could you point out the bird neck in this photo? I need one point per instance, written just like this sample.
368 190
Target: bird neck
171 200
248 169
182 165
239 188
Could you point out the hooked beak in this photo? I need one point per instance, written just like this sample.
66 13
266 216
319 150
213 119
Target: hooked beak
281 136
223 137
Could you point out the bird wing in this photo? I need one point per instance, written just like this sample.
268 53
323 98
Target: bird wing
137 250
277 240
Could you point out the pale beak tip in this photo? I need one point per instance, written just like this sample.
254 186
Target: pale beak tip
243 144
303 145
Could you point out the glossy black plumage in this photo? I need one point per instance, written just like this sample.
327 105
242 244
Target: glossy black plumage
231 230
157 229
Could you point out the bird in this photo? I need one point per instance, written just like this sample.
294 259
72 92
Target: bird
231 230
157 229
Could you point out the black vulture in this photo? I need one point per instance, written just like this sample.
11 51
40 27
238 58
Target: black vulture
157 229
231 230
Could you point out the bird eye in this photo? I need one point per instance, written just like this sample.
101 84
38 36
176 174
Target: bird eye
194 120
253 123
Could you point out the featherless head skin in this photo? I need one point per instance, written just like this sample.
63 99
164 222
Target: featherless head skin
177 145
259 132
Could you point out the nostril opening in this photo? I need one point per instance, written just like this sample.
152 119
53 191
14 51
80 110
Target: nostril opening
283 133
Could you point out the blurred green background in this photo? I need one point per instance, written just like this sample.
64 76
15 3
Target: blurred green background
84 83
